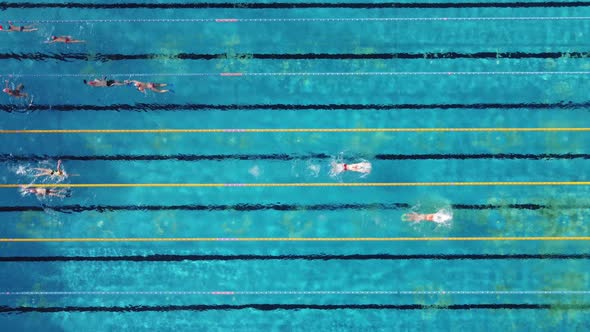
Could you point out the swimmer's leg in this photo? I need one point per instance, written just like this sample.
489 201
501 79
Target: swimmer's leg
406 217
411 217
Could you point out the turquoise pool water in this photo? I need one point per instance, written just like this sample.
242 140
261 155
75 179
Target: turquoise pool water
523 74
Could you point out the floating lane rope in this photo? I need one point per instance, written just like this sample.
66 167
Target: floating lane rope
295 292
312 184
256 74
309 19
284 130
238 5
302 239
169 107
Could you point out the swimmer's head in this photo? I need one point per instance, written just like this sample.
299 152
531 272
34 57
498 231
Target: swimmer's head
85 82
1 28
442 217
53 37
7 90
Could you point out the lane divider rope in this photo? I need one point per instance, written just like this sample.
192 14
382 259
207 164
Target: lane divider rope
261 74
301 239
384 292
285 130
285 185
310 19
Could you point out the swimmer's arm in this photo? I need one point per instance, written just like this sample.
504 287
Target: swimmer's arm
59 165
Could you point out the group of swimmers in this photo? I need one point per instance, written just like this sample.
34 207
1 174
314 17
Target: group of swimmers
140 86
58 173
17 92
441 217
31 28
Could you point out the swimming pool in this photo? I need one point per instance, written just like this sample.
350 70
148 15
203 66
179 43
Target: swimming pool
233 235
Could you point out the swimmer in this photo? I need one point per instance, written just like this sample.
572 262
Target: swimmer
17 92
99 83
442 216
63 39
58 172
141 86
44 192
362 167
15 28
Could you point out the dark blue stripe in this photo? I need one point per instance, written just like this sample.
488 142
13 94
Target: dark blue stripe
103 57
145 107
274 307
261 207
314 257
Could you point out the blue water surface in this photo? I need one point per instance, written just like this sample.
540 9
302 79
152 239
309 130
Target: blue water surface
497 97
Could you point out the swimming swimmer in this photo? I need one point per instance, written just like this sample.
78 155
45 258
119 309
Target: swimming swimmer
99 83
44 192
442 216
17 92
362 167
63 39
16 28
141 86
58 172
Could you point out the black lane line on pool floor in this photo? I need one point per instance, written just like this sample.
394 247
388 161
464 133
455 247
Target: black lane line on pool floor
313 257
145 107
288 157
68 57
294 5
242 207
274 307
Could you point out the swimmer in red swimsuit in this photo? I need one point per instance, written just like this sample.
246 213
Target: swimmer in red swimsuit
362 167
142 87
64 39
16 92
442 216
15 28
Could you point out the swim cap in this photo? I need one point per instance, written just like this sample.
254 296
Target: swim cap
6 90
1 27
442 217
